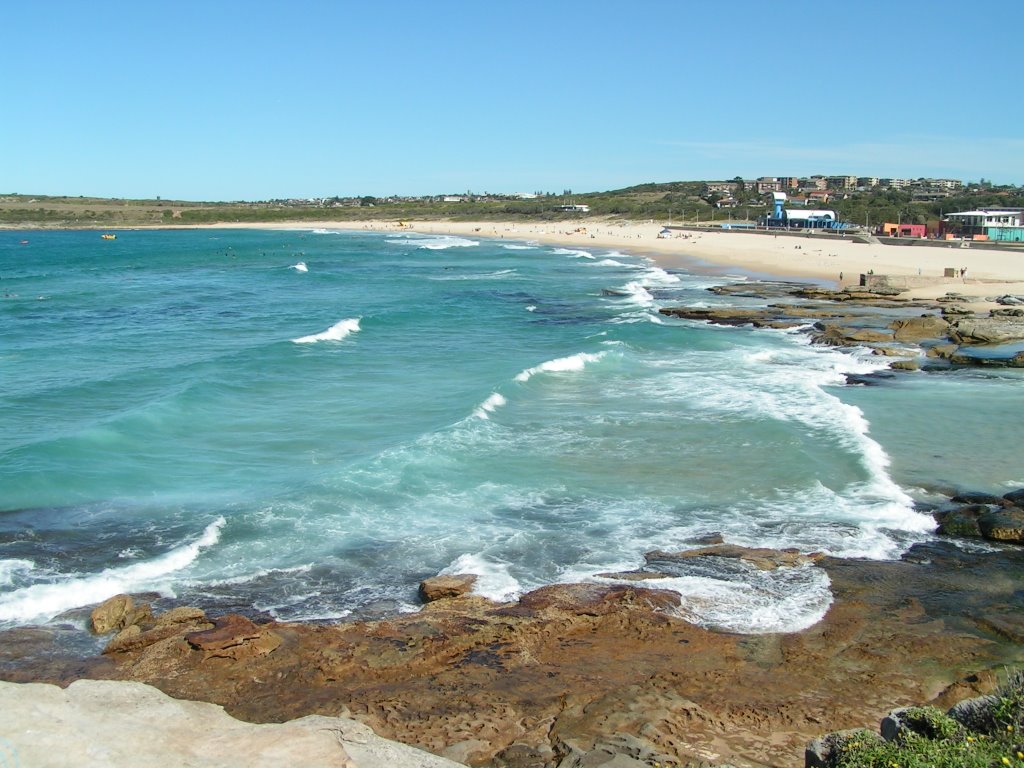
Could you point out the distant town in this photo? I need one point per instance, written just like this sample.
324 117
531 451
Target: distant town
901 207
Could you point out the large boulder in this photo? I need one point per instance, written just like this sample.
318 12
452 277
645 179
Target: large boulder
118 612
444 587
961 522
1003 525
987 330
1016 498
919 328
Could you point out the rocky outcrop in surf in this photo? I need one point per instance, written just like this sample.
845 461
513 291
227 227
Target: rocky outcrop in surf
995 518
947 335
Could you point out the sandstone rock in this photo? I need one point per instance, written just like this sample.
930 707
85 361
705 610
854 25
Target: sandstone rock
596 599
1008 312
1010 299
884 351
444 587
110 615
1003 525
835 335
919 328
942 351
634 575
100 722
905 365
989 361
181 615
133 638
988 330
123 638
955 311
234 637
763 559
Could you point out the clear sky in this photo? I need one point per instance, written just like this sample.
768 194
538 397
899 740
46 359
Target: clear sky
253 100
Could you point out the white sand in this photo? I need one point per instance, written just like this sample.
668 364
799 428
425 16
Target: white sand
989 273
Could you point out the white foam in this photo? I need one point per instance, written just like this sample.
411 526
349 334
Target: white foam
499 274
326 232
514 247
575 362
638 294
493 579
783 600
9 568
434 242
490 405
300 267
336 332
40 602
576 254
531 307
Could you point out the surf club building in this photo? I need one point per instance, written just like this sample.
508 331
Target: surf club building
1000 225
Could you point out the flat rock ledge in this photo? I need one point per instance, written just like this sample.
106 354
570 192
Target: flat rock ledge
102 722
946 332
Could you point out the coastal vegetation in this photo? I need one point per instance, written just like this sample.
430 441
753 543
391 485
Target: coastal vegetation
979 733
673 202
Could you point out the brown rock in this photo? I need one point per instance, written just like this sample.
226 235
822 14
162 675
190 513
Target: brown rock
919 328
905 365
988 330
1003 525
444 587
764 559
123 639
234 637
181 615
110 615
634 575
834 335
943 351
597 599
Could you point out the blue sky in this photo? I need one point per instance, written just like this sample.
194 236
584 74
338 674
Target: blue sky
254 100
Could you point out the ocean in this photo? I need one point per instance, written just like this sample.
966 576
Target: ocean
308 423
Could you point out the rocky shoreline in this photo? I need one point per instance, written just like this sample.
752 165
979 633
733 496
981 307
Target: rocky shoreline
611 673
932 335
588 674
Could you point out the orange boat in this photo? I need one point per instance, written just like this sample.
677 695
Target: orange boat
109 237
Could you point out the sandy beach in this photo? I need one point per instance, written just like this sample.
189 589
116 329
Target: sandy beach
832 261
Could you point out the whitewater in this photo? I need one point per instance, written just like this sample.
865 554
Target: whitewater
308 423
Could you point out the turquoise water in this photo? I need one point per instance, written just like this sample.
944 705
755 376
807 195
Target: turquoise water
309 423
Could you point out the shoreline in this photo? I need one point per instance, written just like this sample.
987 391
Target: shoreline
833 261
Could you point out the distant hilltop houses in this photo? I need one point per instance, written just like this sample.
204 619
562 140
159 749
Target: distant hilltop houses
820 189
